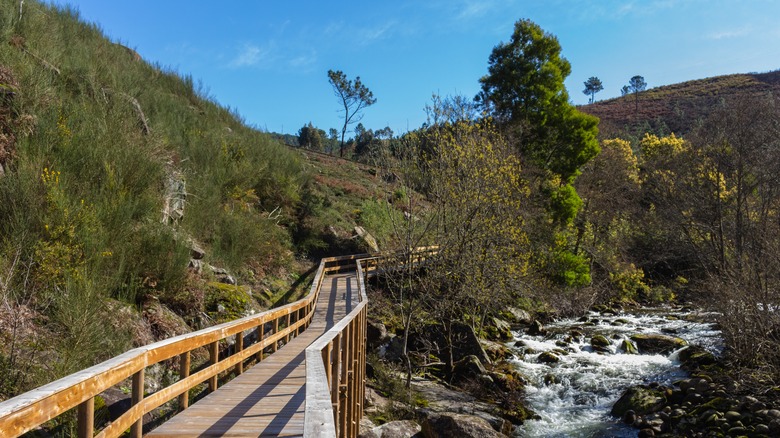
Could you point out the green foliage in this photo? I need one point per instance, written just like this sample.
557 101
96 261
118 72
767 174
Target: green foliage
592 86
629 283
569 269
98 136
564 204
234 301
380 219
524 88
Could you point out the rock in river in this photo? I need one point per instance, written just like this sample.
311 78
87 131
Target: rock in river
649 343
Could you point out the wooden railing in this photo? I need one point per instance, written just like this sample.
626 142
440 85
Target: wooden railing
265 331
336 362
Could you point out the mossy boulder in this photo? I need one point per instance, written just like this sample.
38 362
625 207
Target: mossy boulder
226 302
628 347
642 400
498 330
599 343
549 358
650 343
694 357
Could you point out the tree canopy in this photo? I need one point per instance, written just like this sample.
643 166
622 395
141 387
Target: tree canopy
354 97
592 86
636 85
524 90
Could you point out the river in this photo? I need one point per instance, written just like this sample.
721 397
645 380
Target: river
573 397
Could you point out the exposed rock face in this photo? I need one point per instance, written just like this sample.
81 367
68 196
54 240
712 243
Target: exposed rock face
449 425
464 342
469 367
175 198
394 429
367 238
657 344
376 334
519 316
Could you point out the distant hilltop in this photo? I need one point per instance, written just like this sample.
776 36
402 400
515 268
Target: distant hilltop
676 108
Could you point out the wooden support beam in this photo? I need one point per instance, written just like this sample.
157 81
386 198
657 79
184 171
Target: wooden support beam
213 359
239 348
86 419
137 396
184 372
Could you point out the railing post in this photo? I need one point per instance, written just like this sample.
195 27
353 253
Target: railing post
287 338
344 382
260 336
213 359
86 418
239 347
276 330
136 430
184 372
336 376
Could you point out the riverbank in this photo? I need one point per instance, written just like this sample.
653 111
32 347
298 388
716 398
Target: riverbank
611 373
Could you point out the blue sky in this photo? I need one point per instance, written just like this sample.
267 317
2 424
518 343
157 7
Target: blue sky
269 60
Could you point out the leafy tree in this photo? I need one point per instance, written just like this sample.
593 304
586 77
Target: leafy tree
310 137
592 86
354 97
636 85
625 91
524 90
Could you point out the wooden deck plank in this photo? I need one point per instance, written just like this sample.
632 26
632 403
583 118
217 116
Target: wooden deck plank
269 398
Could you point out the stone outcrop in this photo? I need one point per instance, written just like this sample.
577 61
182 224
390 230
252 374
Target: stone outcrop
449 425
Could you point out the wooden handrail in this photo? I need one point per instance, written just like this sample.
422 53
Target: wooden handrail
336 363
31 409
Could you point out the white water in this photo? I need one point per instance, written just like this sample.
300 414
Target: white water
588 383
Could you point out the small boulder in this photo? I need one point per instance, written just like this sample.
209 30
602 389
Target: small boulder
519 316
536 329
549 358
498 330
367 238
628 347
446 425
694 357
376 333
599 343
641 400
657 344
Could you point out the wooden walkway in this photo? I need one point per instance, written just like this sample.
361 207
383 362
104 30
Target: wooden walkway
269 398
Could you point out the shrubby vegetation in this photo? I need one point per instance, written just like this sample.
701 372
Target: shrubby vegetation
528 207
97 149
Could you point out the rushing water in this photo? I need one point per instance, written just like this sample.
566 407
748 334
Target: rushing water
574 396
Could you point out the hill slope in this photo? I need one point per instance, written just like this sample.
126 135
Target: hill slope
676 108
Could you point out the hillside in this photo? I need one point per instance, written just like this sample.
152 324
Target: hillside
676 108
133 206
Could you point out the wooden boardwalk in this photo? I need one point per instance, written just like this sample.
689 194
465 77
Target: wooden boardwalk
269 398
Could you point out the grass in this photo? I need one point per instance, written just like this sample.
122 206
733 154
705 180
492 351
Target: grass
677 107
96 143
98 137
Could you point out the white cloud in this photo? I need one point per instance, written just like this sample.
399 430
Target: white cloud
474 9
304 62
251 55
729 33
370 34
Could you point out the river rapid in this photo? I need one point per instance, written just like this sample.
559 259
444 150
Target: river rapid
573 397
